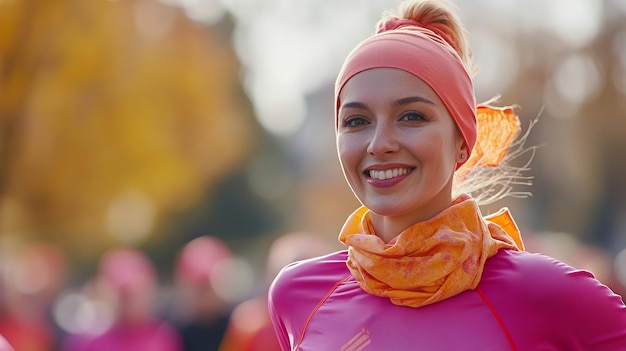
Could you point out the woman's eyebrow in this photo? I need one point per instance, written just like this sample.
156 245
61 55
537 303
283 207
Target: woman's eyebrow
411 99
358 105
399 102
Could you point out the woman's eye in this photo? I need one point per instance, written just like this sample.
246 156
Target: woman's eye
352 122
413 116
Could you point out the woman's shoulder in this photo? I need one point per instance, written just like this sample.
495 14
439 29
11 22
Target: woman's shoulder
537 273
567 303
320 270
313 274
538 279
526 267
300 286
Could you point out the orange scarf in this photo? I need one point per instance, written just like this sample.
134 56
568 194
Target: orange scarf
432 260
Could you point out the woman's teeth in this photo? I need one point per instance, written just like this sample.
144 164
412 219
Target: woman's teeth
387 174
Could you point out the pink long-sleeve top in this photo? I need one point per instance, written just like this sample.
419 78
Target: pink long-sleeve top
524 301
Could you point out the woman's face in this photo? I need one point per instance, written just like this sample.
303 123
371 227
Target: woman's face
397 144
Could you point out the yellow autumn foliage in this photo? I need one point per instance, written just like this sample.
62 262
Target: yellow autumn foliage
104 98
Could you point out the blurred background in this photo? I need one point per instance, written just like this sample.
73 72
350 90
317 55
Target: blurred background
141 125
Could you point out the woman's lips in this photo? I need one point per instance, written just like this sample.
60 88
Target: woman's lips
387 177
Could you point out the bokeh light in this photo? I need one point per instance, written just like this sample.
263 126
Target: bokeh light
131 217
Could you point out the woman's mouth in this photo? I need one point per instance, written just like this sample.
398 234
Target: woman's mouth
387 173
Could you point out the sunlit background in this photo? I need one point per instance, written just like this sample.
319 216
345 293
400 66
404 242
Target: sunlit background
147 124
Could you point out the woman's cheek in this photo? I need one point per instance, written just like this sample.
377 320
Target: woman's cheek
348 157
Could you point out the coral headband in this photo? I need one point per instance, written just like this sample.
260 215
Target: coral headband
425 53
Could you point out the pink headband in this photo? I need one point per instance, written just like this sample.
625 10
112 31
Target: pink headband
425 53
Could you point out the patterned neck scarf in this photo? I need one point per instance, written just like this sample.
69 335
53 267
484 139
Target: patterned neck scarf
432 260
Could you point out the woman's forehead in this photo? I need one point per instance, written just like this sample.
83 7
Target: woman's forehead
386 84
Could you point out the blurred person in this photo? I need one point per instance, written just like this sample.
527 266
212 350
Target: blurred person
32 279
250 327
128 281
424 269
202 316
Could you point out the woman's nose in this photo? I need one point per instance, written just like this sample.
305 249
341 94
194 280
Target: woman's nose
383 141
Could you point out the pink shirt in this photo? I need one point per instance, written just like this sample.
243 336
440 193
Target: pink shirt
524 302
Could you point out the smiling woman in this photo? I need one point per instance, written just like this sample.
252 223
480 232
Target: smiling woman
413 137
423 266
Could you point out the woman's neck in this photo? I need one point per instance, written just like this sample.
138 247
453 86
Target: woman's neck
388 227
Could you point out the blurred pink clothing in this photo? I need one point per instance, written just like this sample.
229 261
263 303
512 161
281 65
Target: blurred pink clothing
524 301
4 345
153 336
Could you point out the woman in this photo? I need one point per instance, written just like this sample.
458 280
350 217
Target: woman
424 269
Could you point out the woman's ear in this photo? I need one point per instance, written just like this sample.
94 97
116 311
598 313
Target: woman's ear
462 153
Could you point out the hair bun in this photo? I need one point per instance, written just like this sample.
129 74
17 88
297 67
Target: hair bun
392 23
437 18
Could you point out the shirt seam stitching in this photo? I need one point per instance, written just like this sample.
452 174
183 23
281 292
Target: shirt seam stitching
495 314
317 307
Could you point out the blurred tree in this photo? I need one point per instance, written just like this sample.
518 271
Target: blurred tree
112 114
